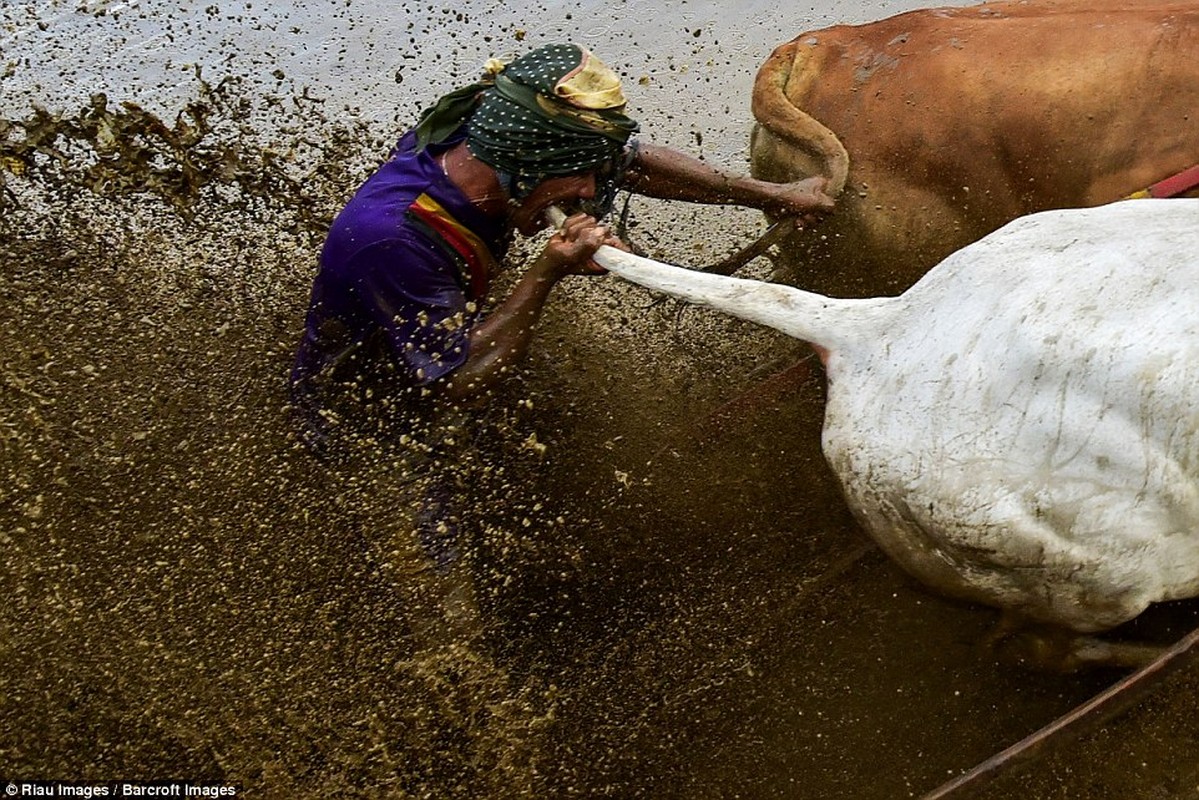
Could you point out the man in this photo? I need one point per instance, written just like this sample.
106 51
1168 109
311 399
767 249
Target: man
395 342
395 309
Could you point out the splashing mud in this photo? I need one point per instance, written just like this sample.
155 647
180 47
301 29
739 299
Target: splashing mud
187 590
654 600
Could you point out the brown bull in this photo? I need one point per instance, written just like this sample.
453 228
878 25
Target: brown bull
935 127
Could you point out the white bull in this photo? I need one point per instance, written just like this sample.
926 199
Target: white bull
1021 427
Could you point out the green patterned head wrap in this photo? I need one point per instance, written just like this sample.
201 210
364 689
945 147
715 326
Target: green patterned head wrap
556 111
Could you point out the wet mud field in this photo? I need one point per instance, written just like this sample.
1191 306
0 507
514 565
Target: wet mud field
666 596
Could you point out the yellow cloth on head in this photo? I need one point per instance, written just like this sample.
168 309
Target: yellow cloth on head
591 85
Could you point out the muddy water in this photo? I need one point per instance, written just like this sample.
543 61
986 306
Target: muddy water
664 595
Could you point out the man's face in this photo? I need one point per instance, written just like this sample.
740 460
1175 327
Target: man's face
564 190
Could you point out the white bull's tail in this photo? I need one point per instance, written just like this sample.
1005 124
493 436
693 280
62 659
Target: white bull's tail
828 323
783 127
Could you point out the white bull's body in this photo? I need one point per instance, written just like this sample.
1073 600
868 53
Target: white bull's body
1021 427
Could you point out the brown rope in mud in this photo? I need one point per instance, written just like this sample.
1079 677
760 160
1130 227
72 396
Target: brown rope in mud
755 399
775 234
1094 712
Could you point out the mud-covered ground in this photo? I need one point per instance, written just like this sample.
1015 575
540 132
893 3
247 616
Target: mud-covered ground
670 599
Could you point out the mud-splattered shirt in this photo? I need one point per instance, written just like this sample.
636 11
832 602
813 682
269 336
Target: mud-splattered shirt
400 274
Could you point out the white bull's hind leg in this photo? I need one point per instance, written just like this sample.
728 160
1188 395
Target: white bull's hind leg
1016 640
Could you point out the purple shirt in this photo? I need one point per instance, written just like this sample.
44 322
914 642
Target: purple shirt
391 300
